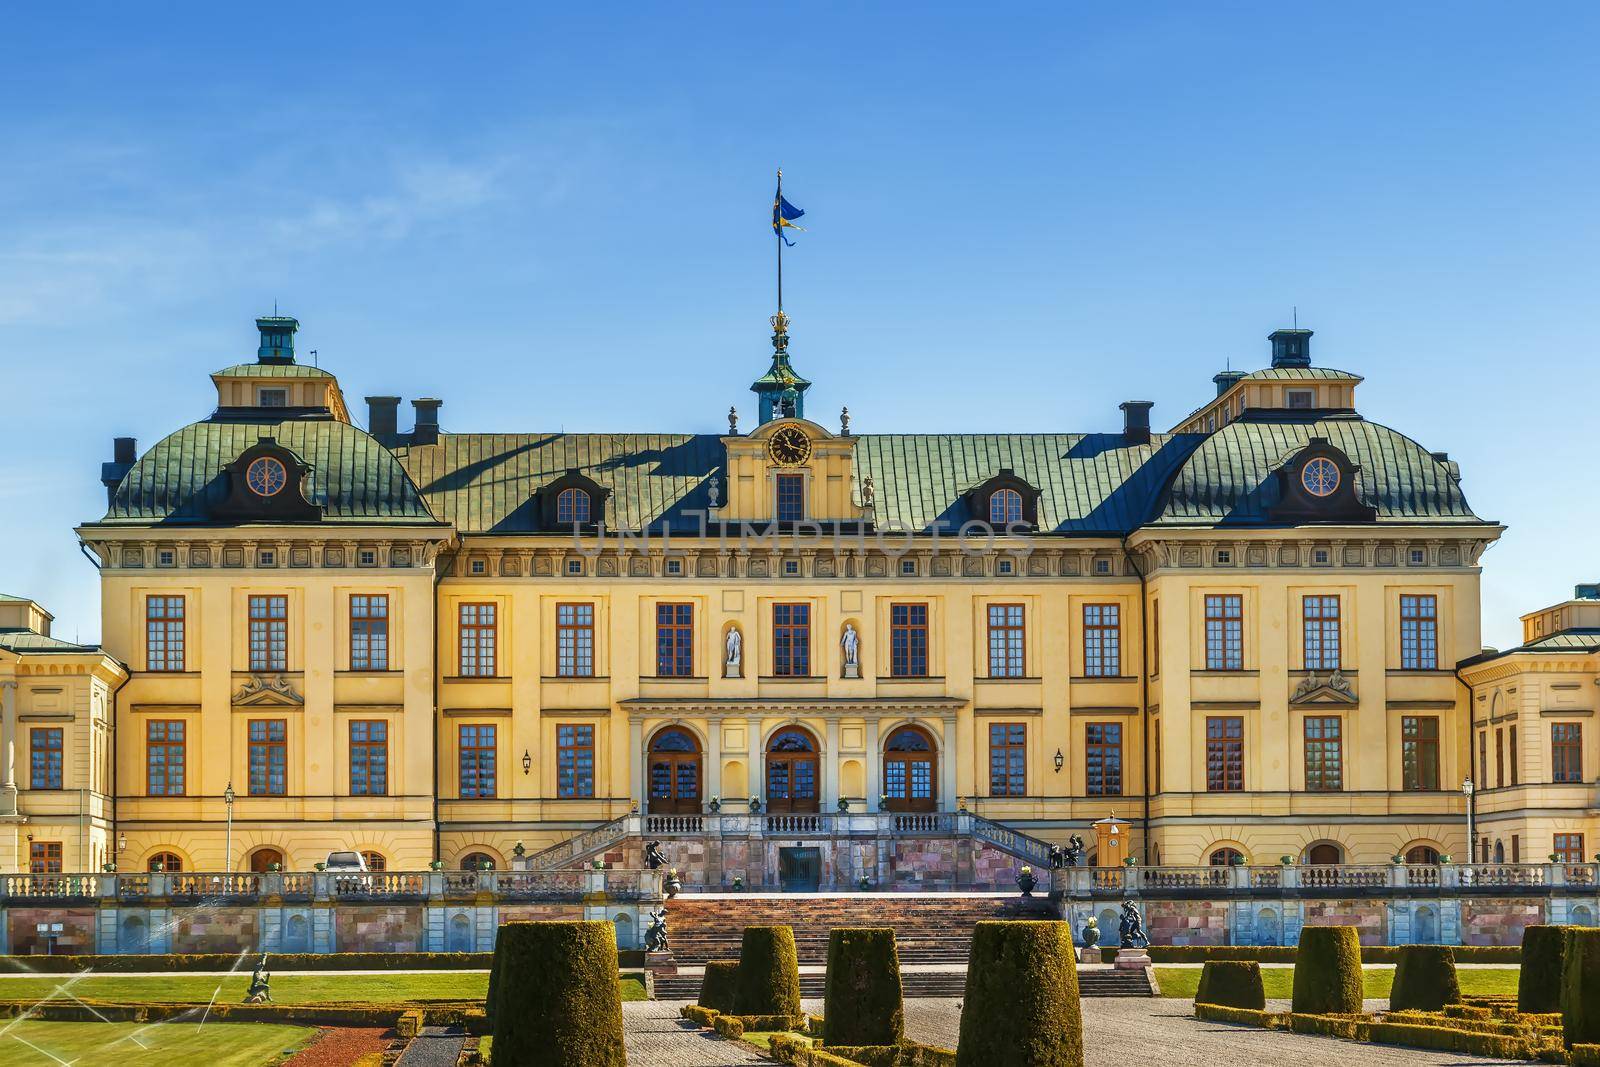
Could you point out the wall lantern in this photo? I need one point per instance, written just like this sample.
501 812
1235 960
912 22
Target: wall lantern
1061 761
527 762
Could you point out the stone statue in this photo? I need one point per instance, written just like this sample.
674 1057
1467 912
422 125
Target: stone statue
653 857
655 938
733 422
259 992
850 643
672 885
844 422
1133 935
1072 855
714 491
735 651
869 492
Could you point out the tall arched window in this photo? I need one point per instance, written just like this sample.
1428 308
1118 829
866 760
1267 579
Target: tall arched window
1005 506
573 505
1324 854
262 859
375 861
1226 857
1422 854
675 772
792 784
165 863
477 861
909 770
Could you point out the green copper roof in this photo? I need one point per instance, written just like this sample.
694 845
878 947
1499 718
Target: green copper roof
270 370
1578 640
353 477
1230 478
1305 374
29 641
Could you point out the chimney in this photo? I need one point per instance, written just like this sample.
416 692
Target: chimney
1136 421
1586 591
1291 348
426 431
383 416
124 454
1227 380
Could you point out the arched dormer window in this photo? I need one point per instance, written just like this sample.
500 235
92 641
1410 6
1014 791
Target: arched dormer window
1318 484
573 506
1004 500
1005 507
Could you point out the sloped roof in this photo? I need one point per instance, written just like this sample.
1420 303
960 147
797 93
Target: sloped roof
29 641
1304 374
1229 478
271 370
1564 642
353 477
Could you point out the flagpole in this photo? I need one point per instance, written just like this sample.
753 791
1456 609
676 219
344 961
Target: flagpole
778 234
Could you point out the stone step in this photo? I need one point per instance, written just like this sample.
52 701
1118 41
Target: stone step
1091 983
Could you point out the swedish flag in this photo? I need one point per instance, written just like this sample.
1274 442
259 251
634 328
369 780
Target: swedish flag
784 214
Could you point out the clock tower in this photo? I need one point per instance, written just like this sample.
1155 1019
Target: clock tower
781 390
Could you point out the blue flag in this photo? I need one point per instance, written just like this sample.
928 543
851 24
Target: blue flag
783 216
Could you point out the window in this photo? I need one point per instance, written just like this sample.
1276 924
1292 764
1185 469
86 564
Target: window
1155 638
574 566
1416 557
573 506
1511 747
1005 507
375 861
367 557
1419 633
1102 566
1320 626
163 633
44 857
166 557
908 566
477 861
164 758
369 633
269 776
1568 848
267 557
1102 640
1301 399
45 762
164 863
1500 757
1224 754
1324 754
1224 557
1006 641
575 760
369 758
1483 757
478 640
791 640
476 754
1423 855
674 640
272 398
269 633
478 567
1319 556
908 640
1227 857
1566 752
1008 759
1005 566
1225 632
575 640
674 566
1419 751
791 501
1103 759
791 566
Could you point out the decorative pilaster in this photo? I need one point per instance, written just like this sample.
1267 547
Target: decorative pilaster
8 748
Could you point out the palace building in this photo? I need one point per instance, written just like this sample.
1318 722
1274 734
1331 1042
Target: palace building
791 646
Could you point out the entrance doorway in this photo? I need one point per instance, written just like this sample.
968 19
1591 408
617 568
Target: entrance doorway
792 772
674 773
262 859
800 869
910 769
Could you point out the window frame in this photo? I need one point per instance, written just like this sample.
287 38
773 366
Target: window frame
789 497
674 639
268 633
1007 635
266 747
1419 753
1102 640
165 632
369 631
45 857
1320 643
1008 503
477 639
361 751
571 783
567 507
1322 749
167 745
1419 631
1566 753
484 737
1224 631
1567 847
1225 754
1104 765
575 639
1008 759
908 639
791 639
54 758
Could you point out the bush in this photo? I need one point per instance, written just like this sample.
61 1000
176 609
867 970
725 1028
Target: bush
1539 984
1240 1016
769 972
1349 1027
219 961
1021 1007
719 989
1327 972
728 1026
699 1016
1446 1039
559 998
1232 984
1424 979
1580 987
1508 955
863 1003
1585 1056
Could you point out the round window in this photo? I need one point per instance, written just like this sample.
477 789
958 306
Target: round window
266 476
1320 477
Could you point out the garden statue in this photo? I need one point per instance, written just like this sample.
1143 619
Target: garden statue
851 644
672 885
733 664
1133 935
1091 932
1073 855
653 858
1026 881
259 993
655 938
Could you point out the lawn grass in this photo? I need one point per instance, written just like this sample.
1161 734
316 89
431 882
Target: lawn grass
1279 981
326 988
31 1043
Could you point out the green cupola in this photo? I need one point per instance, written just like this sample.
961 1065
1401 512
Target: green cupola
781 390
277 339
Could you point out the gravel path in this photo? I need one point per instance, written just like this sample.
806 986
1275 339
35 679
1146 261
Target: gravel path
435 1046
657 1037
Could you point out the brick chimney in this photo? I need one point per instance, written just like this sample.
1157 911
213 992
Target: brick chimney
426 430
1136 421
383 416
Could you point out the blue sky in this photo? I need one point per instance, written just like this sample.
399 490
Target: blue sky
1018 216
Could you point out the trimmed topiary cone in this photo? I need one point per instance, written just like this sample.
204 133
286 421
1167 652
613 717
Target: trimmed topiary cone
1021 1007
1580 987
1424 979
1544 949
719 989
559 998
494 973
1327 971
769 972
863 1003
1232 984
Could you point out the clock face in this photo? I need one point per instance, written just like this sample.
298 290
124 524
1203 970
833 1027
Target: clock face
266 477
789 446
1320 477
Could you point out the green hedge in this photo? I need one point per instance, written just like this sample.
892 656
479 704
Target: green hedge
794 1051
698 1015
1233 984
1510 955
1327 973
1021 1007
1539 983
1580 987
1218 1013
559 1000
1585 1055
769 972
719 988
1449 1039
220 961
1424 979
863 1004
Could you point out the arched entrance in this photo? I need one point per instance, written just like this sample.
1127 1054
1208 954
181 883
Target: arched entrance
910 769
1324 854
792 771
674 772
1422 854
262 859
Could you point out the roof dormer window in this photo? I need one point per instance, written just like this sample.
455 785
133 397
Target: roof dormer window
1301 399
573 506
277 397
1005 507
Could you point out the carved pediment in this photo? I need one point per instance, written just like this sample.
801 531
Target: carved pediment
1332 688
273 690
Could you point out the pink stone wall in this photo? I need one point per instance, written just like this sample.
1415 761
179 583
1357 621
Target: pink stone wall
1186 922
1369 917
1498 922
75 938
216 930
520 913
378 928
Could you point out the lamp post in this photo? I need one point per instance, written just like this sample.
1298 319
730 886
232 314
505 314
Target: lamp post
227 800
1472 842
